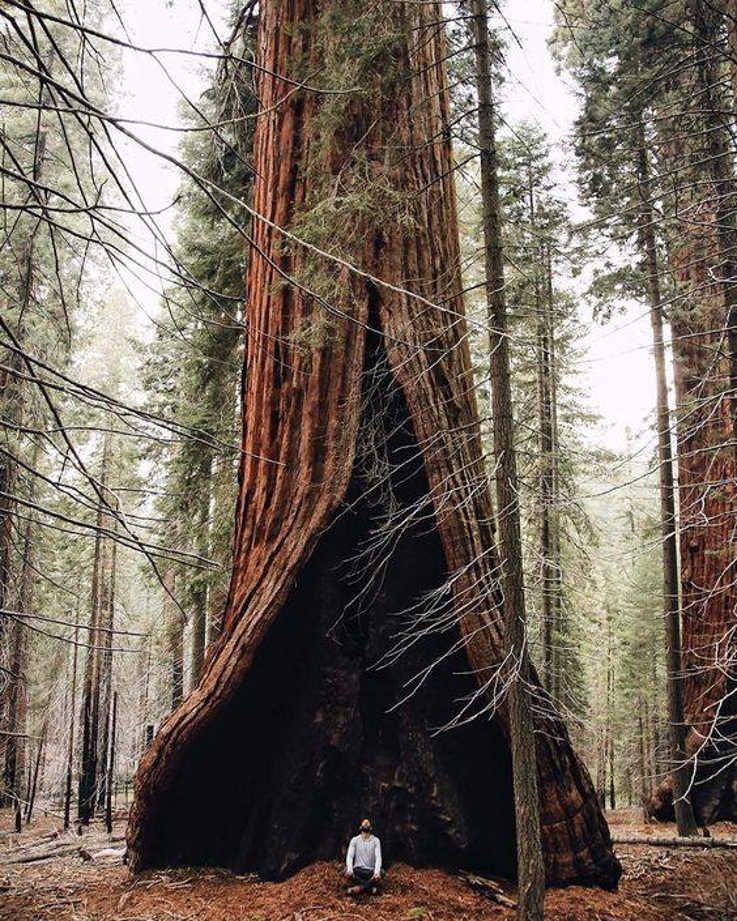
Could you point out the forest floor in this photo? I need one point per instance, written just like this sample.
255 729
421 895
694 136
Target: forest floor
658 883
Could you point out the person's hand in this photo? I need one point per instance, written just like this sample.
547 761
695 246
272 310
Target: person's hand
349 873
377 875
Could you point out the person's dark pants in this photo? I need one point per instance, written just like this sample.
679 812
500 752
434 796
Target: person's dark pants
364 878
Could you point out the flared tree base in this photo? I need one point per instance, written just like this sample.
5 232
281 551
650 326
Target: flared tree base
316 736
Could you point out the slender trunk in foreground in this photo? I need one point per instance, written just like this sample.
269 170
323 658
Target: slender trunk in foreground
530 863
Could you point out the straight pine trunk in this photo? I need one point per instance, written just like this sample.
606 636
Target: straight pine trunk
15 750
107 625
36 769
110 767
200 588
12 390
90 762
668 520
549 562
70 742
642 765
530 863
173 619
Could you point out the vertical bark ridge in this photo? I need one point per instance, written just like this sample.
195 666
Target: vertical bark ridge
696 157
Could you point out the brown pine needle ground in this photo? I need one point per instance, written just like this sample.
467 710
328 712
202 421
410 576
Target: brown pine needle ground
658 884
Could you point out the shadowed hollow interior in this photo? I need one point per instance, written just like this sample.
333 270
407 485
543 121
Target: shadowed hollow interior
310 743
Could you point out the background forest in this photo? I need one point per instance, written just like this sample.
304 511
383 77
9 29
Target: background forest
127 215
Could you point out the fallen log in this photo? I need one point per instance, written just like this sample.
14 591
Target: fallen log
37 856
674 841
488 888
70 844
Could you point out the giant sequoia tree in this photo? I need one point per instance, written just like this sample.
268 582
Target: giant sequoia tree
696 153
656 150
364 609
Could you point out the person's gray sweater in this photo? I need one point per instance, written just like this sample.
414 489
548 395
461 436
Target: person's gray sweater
364 853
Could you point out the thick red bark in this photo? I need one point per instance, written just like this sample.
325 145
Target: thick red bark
291 734
696 154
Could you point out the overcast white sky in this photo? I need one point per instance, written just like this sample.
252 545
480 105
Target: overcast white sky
617 367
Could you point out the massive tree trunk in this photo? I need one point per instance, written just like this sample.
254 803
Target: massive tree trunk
697 157
364 532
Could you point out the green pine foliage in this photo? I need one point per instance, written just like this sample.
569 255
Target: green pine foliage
193 369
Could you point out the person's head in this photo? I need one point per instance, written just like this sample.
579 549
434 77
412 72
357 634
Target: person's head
365 826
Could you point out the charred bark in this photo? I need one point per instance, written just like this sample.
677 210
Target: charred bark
359 413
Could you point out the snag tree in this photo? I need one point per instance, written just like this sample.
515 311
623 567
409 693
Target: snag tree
364 609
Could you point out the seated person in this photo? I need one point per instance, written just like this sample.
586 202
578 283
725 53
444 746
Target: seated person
363 861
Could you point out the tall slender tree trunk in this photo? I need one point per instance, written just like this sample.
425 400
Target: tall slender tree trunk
12 396
90 763
36 770
110 765
642 765
107 625
549 565
70 741
560 641
601 762
360 375
200 586
15 750
222 510
145 673
668 520
530 863
173 618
